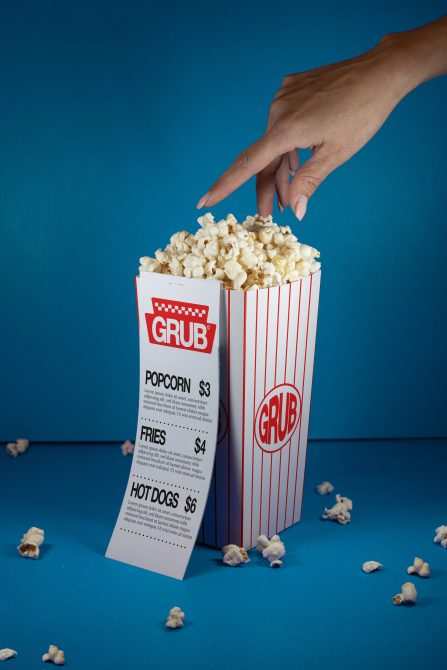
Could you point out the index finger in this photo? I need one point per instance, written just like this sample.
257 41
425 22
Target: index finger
248 163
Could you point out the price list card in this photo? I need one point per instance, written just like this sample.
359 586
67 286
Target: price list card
175 444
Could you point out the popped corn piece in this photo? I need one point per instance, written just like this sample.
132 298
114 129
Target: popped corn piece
419 567
371 566
30 543
307 252
197 272
234 555
22 444
54 655
303 268
248 258
324 488
222 228
11 449
291 254
18 447
127 448
211 250
193 266
441 536
268 269
163 257
240 280
273 550
232 269
206 220
340 512
408 596
149 264
6 654
176 267
278 239
175 618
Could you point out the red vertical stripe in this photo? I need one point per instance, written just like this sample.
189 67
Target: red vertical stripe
287 336
297 332
243 417
274 384
310 402
277 331
294 381
254 414
270 495
266 340
229 407
285 378
265 381
302 396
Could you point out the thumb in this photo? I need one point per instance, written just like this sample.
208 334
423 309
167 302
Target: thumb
308 179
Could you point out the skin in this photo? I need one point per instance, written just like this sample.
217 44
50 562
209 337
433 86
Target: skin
334 111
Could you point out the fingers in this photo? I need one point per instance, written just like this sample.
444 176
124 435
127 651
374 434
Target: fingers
249 162
265 187
282 183
308 179
294 162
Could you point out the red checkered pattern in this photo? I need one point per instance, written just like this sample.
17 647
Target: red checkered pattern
182 309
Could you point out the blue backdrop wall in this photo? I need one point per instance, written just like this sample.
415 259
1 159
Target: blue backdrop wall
116 116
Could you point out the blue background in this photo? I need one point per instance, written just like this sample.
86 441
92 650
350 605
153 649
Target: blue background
318 611
117 116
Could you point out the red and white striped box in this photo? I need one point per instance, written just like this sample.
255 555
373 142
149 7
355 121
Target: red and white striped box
267 344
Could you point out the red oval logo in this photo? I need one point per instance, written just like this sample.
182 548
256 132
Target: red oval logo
277 417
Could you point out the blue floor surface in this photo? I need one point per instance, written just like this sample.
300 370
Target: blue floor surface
318 611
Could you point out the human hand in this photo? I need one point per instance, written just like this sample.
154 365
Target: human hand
333 111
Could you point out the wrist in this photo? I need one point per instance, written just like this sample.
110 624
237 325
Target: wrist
415 56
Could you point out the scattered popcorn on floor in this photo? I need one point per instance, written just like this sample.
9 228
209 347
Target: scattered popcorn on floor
324 488
54 655
175 618
234 555
30 543
250 255
6 654
408 596
371 566
127 448
340 512
441 536
18 447
419 567
273 550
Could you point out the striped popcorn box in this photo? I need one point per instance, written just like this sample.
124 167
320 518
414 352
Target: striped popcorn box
267 344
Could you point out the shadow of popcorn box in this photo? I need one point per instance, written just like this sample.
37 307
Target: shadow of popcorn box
267 345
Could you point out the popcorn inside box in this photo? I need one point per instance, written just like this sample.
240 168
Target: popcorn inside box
268 322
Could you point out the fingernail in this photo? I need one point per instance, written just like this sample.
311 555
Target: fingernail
203 200
300 207
292 173
281 208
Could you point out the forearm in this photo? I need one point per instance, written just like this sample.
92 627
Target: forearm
417 55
